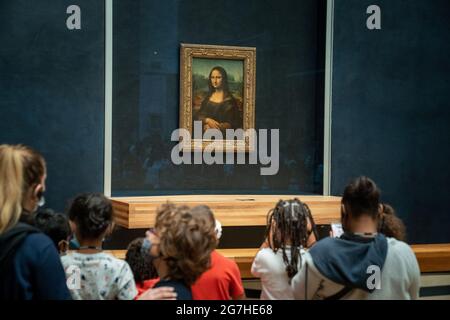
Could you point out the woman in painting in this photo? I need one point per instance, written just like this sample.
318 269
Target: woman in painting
219 110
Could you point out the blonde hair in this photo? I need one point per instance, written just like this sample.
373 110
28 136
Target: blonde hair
20 168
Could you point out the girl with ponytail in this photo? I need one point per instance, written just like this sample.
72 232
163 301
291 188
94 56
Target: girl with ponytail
30 267
22 176
101 276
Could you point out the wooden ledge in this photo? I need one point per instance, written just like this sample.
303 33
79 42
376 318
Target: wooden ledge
230 210
243 258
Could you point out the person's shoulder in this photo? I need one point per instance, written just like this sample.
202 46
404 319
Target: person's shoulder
325 244
229 102
108 258
265 253
397 247
221 261
37 241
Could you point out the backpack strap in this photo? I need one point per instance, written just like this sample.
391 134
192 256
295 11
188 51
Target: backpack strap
338 295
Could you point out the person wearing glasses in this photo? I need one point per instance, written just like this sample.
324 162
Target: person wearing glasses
29 262
290 231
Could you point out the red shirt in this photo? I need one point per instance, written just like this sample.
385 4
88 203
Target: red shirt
144 286
221 282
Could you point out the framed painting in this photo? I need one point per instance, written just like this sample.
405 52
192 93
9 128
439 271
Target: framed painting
217 96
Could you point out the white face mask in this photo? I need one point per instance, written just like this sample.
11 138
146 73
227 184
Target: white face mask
218 229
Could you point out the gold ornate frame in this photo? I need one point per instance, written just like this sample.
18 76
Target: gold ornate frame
190 51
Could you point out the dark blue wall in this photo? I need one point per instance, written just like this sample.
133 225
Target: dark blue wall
391 108
52 90
390 100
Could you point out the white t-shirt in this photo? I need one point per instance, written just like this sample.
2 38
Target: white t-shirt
271 269
102 277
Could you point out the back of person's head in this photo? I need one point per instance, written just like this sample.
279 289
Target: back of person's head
391 225
92 214
140 261
55 225
361 197
291 224
186 242
204 214
21 173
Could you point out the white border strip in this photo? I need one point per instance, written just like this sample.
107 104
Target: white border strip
108 96
328 99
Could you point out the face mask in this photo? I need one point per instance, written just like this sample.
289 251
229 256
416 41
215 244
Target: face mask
218 229
147 247
74 244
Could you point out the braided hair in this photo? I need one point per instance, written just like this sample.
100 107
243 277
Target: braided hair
288 223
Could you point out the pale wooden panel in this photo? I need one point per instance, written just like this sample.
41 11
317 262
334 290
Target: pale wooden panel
242 257
230 210
433 257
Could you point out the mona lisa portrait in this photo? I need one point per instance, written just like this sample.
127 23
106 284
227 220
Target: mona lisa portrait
217 87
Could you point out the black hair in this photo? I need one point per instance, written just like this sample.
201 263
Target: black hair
140 262
291 220
54 224
92 213
361 196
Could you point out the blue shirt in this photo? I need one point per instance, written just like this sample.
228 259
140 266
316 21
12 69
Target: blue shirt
183 292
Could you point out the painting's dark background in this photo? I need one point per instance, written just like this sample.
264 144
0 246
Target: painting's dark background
391 96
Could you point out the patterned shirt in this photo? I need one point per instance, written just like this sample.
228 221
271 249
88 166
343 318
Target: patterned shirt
98 276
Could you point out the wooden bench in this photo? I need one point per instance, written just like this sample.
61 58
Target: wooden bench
431 257
243 258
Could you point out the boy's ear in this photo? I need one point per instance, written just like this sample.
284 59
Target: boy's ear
38 191
63 246
111 227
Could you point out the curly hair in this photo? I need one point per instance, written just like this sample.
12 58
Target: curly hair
140 263
291 225
391 225
186 242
